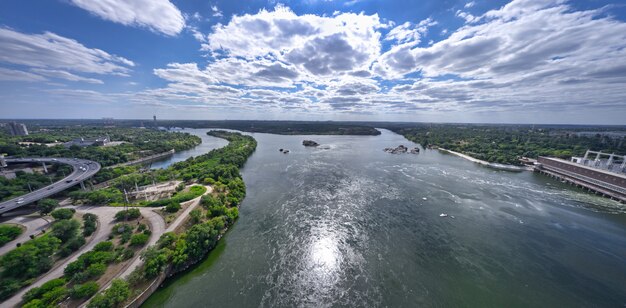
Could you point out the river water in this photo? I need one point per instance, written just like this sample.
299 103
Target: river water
347 225
208 143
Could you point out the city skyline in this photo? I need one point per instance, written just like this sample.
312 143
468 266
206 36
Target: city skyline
521 61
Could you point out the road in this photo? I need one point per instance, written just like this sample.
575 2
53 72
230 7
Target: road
106 221
82 170
193 203
33 225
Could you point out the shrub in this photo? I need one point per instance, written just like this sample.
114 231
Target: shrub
95 270
45 206
141 227
60 214
173 207
104 246
196 216
86 290
111 297
8 233
65 229
126 254
128 214
8 286
38 292
89 224
139 239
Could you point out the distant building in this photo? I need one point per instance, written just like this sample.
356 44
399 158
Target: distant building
602 176
108 121
85 142
155 122
17 129
604 161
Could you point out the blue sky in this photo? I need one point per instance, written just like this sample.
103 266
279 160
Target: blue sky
522 61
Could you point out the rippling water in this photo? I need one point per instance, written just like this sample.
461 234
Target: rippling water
347 225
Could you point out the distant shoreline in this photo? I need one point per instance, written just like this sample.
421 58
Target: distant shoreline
486 163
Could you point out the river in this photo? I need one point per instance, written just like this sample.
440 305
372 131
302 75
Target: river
348 225
208 143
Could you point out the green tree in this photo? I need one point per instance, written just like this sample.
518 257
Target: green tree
45 206
60 214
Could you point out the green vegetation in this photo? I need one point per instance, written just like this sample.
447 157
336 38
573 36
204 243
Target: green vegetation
506 144
46 206
60 214
48 295
221 168
138 143
35 257
30 260
100 196
127 214
111 297
86 290
9 233
89 224
20 184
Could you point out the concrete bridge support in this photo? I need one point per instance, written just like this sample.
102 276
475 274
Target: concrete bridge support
45 169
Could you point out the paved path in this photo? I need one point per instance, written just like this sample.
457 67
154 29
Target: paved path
106 221
193 203
33 225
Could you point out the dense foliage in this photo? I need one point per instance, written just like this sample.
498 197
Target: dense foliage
137 143
9 233
27 261
12 188
219 210
506 144
111 297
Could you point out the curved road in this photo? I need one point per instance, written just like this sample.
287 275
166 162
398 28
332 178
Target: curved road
106 221
83 169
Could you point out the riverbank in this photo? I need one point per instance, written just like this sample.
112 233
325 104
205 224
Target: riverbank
202 226
486 163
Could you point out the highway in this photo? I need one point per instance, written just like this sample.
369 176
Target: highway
82 170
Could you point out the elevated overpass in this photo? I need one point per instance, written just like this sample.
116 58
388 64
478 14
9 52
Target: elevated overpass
82 170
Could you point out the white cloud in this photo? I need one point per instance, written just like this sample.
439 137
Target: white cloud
15 75
470 4
216 11
157 15
523 55
317 45
52 51
65 75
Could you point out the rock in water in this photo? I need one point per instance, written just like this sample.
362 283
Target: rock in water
309 143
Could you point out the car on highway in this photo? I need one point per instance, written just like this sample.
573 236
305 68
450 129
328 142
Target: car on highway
68 181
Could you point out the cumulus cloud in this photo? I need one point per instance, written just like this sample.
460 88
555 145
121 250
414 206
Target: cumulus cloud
157 15
526 54
318 45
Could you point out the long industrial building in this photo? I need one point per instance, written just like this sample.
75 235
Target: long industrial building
598 180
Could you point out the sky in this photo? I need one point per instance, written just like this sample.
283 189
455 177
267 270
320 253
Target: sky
482 61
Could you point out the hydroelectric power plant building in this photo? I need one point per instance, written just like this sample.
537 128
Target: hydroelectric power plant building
601 173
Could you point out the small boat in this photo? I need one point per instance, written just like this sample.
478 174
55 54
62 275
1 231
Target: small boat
280 150
286 151
443 215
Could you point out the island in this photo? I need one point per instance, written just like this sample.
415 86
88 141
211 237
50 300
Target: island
310 143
